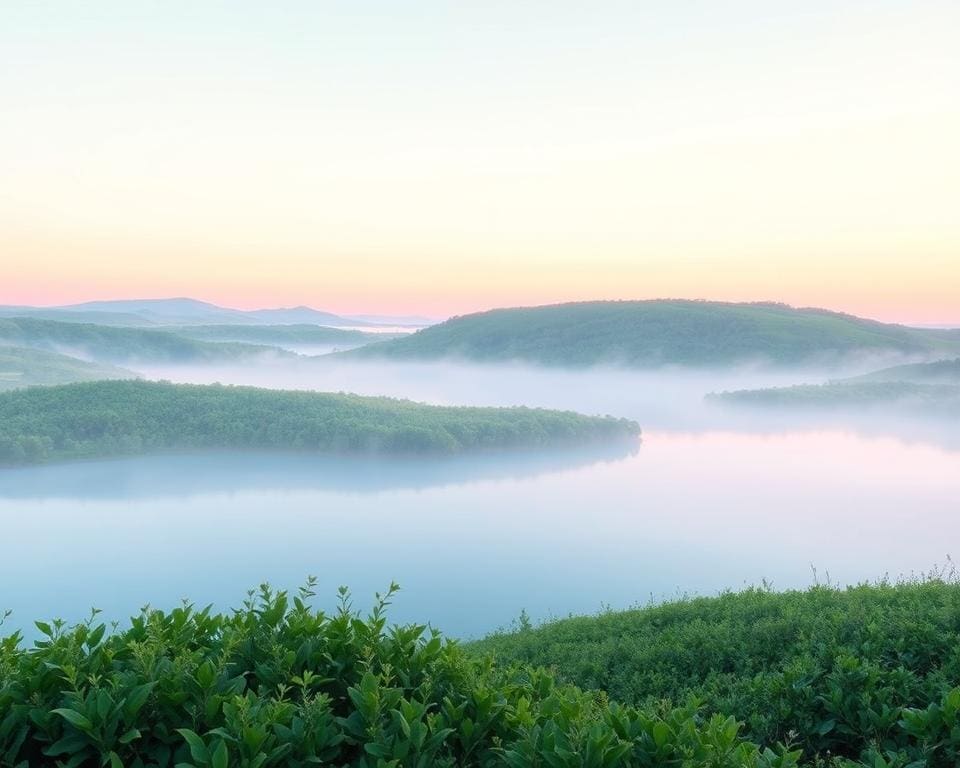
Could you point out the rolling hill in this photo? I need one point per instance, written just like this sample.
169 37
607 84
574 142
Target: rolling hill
122 345
187 311
21 367
661 332
938 372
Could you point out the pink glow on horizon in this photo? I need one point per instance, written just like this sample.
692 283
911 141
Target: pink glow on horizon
439 309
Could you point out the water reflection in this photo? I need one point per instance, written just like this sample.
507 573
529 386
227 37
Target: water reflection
694 512
187 475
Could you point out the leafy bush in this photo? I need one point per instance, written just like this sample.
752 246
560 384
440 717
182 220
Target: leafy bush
110 418
277 683
866 673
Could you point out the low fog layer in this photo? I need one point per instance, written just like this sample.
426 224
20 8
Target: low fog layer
666 399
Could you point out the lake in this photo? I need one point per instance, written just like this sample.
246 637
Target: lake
473 542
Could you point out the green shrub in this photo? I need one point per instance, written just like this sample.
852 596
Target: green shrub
848 673
278 683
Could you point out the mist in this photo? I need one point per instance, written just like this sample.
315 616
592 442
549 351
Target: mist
699 504
665 399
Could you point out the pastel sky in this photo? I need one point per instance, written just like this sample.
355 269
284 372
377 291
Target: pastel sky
441 157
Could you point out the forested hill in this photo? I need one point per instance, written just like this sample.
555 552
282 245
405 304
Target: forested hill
22 367
661 332
115 344
938 372
110 418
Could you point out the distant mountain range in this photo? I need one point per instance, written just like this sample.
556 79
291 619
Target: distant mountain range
186 311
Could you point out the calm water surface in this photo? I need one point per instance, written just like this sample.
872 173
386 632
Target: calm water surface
473 542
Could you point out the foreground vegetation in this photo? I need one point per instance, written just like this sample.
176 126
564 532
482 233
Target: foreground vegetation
860 677
661 332
868 673
21 367
114 344
110 418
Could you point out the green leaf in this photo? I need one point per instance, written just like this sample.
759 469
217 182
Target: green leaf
136 698
76 719
198 750
44 627
219 758
96 636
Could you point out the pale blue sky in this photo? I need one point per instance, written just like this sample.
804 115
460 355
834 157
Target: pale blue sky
447 156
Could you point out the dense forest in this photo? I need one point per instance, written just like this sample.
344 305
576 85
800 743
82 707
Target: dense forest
21 367
110 418
857 678
654 333
115 344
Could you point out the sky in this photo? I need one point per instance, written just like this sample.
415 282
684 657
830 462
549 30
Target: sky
443 157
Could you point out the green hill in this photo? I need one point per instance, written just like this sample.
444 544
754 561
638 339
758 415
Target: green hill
114 418
839 669
21 367
661 332
115 344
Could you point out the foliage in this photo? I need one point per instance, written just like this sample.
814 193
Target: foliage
110 418
661 332
122 345
21 367
277 683
867 673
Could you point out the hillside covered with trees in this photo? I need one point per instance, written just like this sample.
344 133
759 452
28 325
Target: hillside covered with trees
661 332
112 418
937 372
905 396
115 344
22 367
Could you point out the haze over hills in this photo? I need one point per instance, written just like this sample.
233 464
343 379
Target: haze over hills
22 367
113 344
299 333
187 311
664 332
938 372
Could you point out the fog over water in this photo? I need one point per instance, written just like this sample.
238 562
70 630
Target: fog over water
710 499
